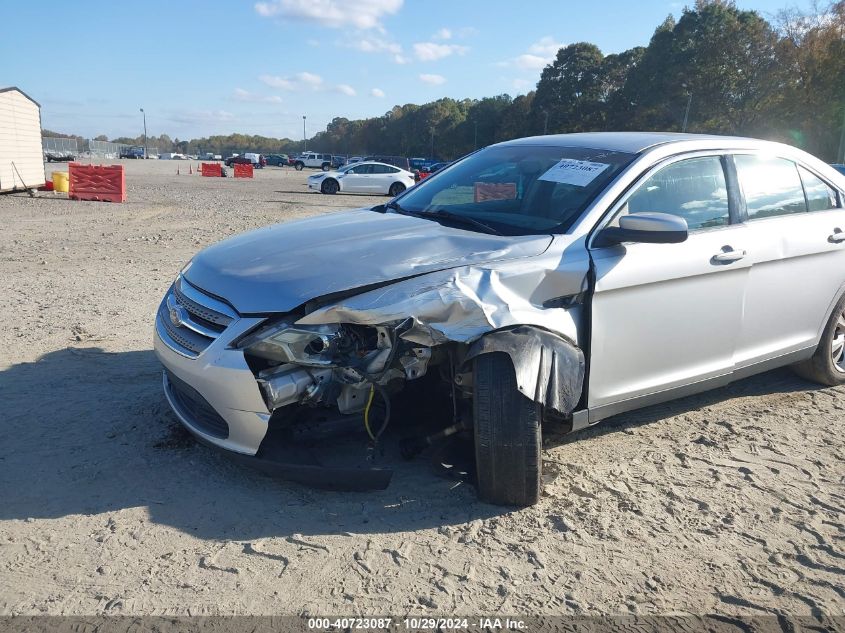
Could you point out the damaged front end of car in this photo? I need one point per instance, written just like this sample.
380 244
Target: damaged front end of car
347 357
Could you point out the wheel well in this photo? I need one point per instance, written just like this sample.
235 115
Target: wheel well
549 368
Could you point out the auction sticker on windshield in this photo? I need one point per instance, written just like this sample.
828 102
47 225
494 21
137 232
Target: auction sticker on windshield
574 172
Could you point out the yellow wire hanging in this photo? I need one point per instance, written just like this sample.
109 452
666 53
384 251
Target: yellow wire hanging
367 413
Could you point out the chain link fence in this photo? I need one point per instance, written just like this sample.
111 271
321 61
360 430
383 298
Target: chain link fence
87 148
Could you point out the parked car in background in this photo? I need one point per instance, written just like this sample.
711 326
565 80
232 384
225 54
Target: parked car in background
397 161
136 152
278 160
338 162
596 274
354 159
418 163
366 177
256 160
840 168
313 160
436 167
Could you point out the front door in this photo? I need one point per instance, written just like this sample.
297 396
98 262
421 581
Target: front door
666 316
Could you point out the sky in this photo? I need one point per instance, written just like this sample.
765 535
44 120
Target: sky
204 67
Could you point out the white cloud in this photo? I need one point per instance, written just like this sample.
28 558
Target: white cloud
375 45
539 55
401 59
361 14
300 81
442 34
521 85
377 92
432 80
345 89
201 116
431 51
546 46
245 95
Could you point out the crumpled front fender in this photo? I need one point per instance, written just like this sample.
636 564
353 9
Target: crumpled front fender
549 369
459 305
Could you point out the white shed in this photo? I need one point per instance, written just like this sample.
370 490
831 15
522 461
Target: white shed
21 156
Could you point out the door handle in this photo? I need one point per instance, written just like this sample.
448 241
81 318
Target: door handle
837 237
727 257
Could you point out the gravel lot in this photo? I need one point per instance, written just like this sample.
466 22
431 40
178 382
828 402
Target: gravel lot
730 502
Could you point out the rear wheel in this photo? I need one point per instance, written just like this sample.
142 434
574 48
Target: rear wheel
298 166
330 186
395 189
508 436
827 365
326 166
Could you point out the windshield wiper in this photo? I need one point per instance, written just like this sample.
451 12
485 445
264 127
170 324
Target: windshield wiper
446 215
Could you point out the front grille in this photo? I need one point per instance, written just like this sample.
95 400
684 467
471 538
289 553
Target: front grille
188 320
195 409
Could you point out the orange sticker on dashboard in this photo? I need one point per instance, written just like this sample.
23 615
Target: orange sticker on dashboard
486 191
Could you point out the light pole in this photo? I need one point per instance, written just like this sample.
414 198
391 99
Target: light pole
144 114
304 142
545 122
686 112
476 136
432 143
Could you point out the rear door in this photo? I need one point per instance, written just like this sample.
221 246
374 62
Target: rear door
666 316
796 227
383 177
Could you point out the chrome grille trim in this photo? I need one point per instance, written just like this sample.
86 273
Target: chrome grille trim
188 320
201 305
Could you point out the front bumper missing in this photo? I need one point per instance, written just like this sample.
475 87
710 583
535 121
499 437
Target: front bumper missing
286 462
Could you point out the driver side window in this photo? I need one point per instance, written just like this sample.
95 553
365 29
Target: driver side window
694 189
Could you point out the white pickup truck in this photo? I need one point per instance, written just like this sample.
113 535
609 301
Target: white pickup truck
313 160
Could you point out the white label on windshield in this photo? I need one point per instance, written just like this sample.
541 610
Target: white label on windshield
574 172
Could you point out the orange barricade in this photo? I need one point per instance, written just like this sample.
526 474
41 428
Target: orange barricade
243 171
212 169
105 183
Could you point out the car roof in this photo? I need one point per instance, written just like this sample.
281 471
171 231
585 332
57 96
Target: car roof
375 162
634 142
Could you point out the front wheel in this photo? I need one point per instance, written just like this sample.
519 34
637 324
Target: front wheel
395 189
326 166
330 186
827 365
508 436
298 166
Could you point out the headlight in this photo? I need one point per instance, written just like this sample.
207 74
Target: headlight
312 345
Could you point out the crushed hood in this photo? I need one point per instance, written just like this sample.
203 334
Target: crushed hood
280 267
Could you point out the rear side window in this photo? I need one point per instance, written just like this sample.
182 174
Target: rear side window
772 186
820 197
694 189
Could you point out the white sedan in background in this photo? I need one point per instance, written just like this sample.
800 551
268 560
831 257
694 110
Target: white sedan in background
369 177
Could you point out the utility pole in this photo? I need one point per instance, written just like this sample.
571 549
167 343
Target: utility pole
144 114
476 136
545 122
686 112
304 142
432 142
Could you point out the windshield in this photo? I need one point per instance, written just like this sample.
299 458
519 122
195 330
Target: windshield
519 188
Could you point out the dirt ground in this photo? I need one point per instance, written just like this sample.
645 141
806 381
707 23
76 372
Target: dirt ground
730 502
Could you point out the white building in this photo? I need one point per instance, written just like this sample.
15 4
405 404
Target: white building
21 156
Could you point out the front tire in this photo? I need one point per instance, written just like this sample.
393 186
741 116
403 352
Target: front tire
330 186
326 166
298 166
395 189
508 437
827 365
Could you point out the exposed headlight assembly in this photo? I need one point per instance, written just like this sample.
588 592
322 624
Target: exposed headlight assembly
309 345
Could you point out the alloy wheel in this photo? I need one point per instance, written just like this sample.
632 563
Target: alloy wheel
837 344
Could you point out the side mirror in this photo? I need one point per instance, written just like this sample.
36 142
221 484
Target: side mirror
647 228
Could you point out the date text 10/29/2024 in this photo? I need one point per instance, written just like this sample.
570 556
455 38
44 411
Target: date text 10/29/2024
421 623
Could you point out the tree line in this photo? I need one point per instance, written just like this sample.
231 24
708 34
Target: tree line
717 69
